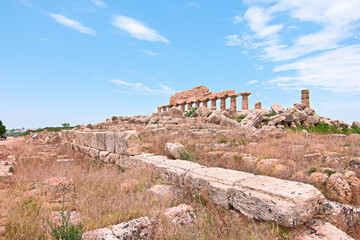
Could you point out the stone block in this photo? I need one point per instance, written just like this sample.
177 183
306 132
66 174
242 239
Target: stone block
110 142
277 108
127 143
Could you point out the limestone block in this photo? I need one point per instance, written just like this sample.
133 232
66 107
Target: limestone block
215 117
202 112
100 141
110 141
300 106
103 155
127 143
253 119
215 182
140 228
313 120
338 189
174 150
99 234
93 140
229 123
277 108
271 199
356 124
94 153
317 229
175 112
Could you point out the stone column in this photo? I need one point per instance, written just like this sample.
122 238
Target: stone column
197 103
258 105
305 97
223 104
205 102
183 107
245 100
189 105
159 109
233 102
213 103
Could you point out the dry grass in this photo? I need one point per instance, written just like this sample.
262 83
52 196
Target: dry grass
102 199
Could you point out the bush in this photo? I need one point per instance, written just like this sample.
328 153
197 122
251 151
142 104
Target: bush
270 114
312 170
2 128
241 117
184 155
189 113
65 230
223 140
329 172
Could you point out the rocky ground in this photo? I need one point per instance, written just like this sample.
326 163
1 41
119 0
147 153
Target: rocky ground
114 199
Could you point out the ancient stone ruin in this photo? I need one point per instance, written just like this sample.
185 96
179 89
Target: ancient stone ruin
203 95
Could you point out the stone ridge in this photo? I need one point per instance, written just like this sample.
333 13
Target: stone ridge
265 198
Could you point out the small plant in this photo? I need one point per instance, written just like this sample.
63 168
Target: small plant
121 169
237 157
270 114
241 117
157 121
223 140
184 155
329 172
239 120
65 230
141 138
312 170
233 141
189 113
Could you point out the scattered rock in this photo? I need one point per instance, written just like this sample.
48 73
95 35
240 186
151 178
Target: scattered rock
100 234
161 190
277 108
215 117
174 150
140 228
338 189
182 214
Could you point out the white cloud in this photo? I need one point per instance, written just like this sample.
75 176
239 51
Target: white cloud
193 4
137 29
44 39
25 3
142 89
237 19
336 70
232 40
72 24
259 67
99 3
151 53
257 20
252 82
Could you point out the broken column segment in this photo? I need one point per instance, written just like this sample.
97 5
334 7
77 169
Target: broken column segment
233 102
258 105
305 97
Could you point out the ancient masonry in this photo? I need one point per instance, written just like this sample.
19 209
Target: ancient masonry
202 94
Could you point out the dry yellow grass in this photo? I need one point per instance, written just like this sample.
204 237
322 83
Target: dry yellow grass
101 200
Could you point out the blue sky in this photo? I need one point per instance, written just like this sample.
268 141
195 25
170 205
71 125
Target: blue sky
87 60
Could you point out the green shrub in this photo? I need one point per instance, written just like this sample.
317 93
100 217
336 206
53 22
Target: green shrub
189 113
241 117
223 140
65 230
312 170
184 155
270 114
329 172
239 120
355 129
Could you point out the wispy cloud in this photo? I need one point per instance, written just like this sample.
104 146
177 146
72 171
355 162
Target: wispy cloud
25 3
151 53
232 40
252 82
99 3
237 19
137 29
72 24
336 70
193 4
140 88
44 39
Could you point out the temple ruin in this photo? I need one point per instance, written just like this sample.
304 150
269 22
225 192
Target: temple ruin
202 95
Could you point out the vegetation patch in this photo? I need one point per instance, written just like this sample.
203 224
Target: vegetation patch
270 114
189 113
223 140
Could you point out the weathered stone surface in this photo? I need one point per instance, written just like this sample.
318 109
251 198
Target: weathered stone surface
174 150
182 214
338 189
277 108
175 112
318 179
320 230
266 198
229 123
140 228
342 215
127 143
300 106
215 117
310 112
313 120
99 234
202 112
161 190
253 119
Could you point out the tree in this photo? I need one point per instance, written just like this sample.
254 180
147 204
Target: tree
2 128
65 125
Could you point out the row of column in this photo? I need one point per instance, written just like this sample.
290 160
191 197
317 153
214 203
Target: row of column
233 107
